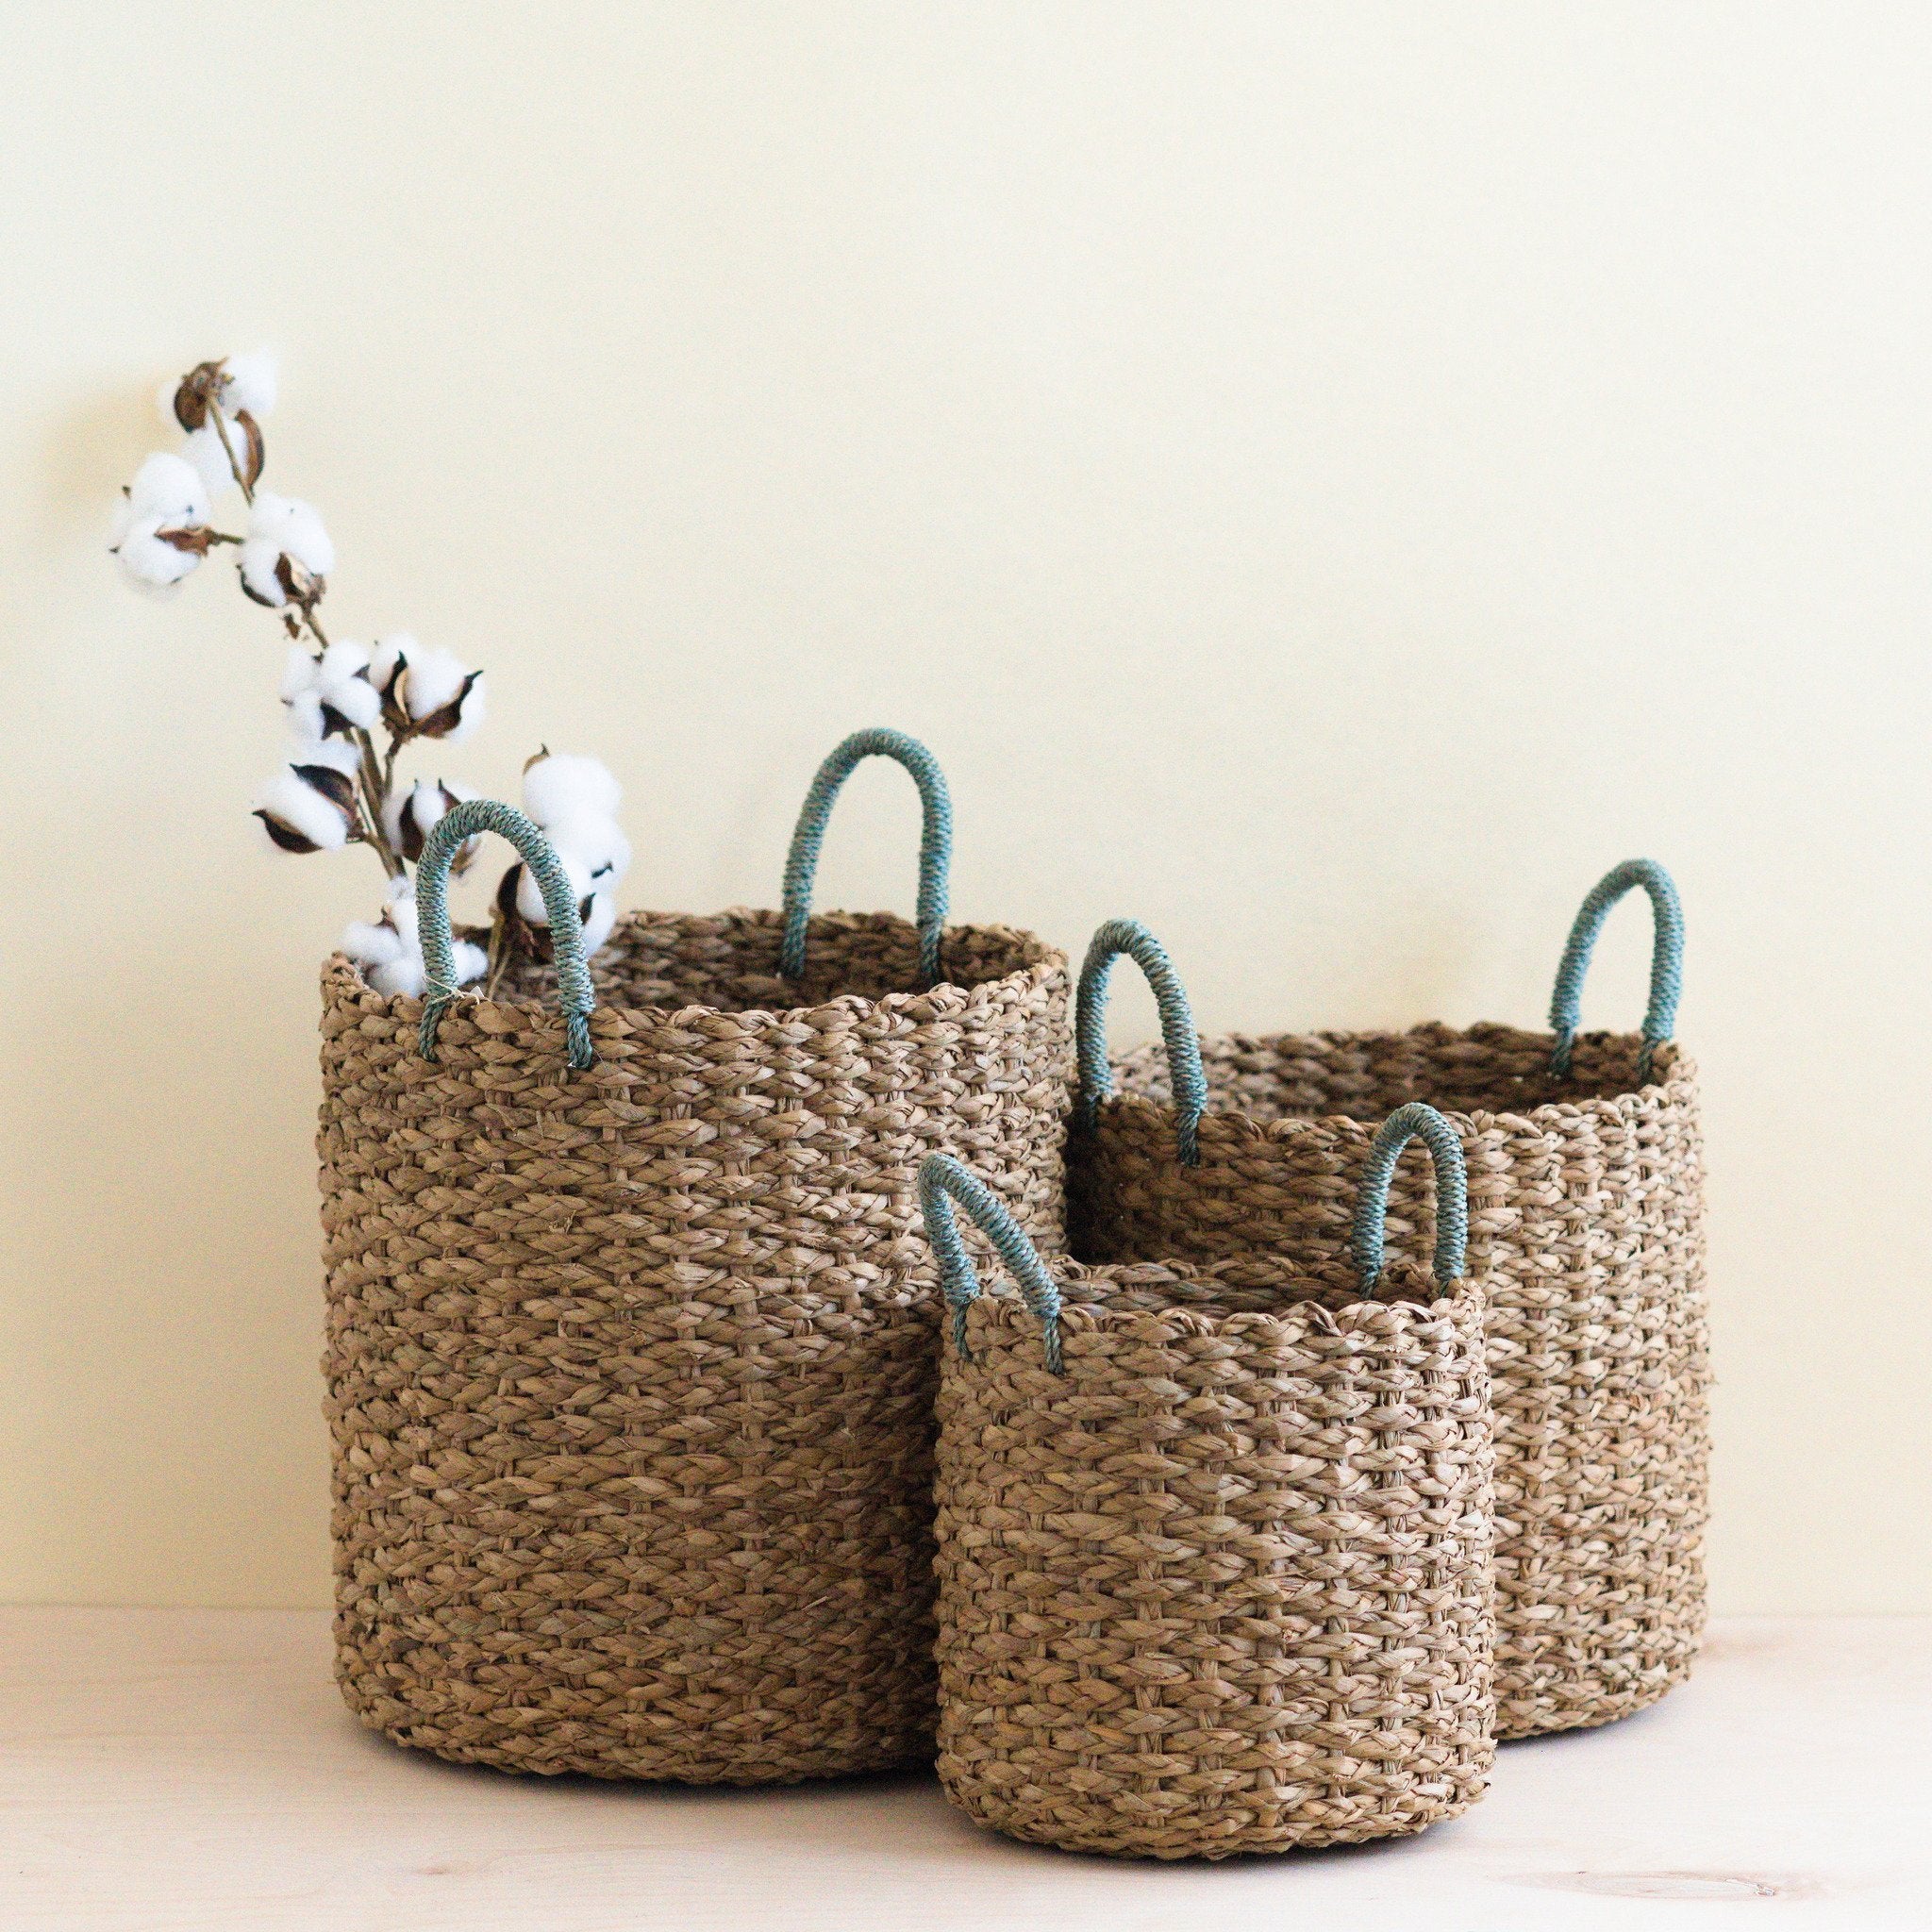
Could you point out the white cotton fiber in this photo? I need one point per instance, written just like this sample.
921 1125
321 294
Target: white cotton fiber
335 754
304 810
353 698
530 896
597 928
370 946
335 680
341 685
393 954
257 560
151 562
563 785
400 911
305 717
595 843
473 962
279 526
203 449
382 660
295 528
434 678
424 801
252 382
400 978
168 489
298 672
475 708
344 658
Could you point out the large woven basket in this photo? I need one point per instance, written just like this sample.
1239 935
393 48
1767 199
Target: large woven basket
1214 1543
1586 1221
632 1343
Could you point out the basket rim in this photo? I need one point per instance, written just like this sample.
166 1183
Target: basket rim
1302 1312
1676 1087
1043 961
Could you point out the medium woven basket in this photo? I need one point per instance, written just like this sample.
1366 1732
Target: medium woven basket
1214 1544
632 1341
1587 1223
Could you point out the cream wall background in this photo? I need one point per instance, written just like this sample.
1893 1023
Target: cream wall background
1328 480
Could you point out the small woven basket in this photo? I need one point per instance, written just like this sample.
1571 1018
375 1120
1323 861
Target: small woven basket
1214 1544
1587 1223
632 1343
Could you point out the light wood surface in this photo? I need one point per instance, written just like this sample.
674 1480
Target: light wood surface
179 1770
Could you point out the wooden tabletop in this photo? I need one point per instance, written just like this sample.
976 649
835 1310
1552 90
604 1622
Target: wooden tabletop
192 1770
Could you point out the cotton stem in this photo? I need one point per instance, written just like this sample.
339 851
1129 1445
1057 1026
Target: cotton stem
215 416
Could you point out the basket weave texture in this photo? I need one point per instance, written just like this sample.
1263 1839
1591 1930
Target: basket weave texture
1586 1199
1225 1585
631 1373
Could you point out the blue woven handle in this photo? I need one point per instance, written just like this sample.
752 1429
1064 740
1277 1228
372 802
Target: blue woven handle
935 844
941 1175
464 821
1666 960
1185 1072
1407 1124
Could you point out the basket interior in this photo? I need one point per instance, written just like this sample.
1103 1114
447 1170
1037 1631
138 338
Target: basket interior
729 960
1366 1077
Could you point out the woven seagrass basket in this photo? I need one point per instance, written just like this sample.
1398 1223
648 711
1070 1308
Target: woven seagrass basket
1587 1223
632 1342
1214 1543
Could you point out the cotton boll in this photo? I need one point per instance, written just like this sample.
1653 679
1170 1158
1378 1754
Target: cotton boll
295 528
354 701
260 564
400 811
392 950
298 672
160 528
216 461
287 551
530 895
168 489
335 754
387 657
343 659
463 716
431 695
330 693
560 785
602 919
306 718
471 961
371 946
150 561
400 978
252 384
596 842
434 678
342 684
308 813
401 910
410 816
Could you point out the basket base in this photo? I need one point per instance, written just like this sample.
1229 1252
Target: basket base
1235 1830
552 1749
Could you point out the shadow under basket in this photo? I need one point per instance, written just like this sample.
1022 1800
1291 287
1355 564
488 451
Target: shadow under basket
631 1370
